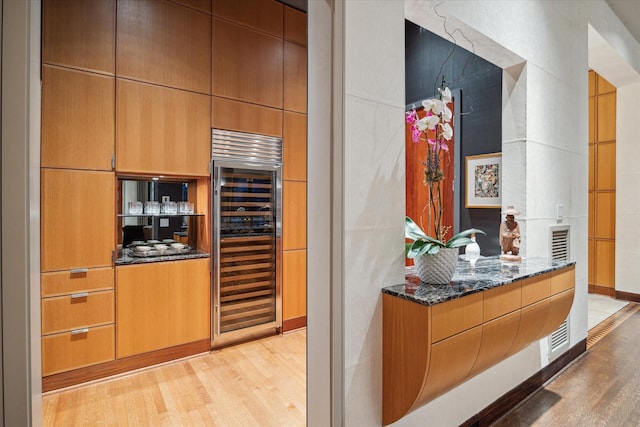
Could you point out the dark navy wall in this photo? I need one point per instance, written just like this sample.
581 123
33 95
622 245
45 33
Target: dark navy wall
428 58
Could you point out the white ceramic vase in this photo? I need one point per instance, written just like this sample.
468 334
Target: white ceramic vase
472 252
437 269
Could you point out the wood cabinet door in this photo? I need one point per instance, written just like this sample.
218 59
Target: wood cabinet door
295 77
263 15
229 114
295 25
294 215
77 219
78 119
161 305
162 130
248 65
80 34
164 43
294 283
294 165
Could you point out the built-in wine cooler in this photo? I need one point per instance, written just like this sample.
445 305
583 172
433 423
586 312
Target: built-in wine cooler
247 239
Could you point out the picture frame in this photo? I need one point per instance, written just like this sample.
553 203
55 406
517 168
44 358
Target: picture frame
483 181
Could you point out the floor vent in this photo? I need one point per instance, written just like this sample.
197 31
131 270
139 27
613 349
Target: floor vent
559 251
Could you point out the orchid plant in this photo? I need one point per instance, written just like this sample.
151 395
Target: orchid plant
435 130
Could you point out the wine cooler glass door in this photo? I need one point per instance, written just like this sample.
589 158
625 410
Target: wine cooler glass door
246 285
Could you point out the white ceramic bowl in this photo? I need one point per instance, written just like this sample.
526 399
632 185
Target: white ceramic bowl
178 245
161 247
142 248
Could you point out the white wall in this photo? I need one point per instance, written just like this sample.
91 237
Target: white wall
374 198
628 188
543 46
21 372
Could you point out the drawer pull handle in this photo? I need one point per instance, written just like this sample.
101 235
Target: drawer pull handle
80 331
80 295
79 270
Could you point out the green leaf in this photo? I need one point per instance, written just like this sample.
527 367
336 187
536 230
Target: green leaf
462 238
417 248
412 230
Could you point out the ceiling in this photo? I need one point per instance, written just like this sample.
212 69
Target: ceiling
628 11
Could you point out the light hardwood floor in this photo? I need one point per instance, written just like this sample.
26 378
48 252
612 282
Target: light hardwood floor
260 383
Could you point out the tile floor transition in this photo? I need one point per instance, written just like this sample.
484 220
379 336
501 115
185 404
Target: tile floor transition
601 307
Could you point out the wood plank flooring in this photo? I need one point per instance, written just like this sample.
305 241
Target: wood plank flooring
260 383
602 387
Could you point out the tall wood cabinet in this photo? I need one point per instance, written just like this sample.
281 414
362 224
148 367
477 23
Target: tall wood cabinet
259 85
602 185
294 170
132 88
148 116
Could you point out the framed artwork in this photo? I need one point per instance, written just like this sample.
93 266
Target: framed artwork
483 184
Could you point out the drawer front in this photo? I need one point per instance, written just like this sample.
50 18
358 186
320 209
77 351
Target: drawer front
502 300
532 321
66 351
563 280
77 311
497 337
80 280
455 316
536 289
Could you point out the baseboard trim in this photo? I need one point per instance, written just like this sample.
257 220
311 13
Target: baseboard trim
627 296
295 323
512 398
119 366
602 290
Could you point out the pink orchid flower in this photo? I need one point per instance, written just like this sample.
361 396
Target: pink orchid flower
411 116
415 134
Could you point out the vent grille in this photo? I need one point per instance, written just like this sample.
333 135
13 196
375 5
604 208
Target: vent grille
560 336
245 147
559 251
559 243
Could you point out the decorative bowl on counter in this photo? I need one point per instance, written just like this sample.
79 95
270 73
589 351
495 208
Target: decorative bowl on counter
177 245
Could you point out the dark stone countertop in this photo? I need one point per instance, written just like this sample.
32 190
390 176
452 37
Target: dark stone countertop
130 260
489 272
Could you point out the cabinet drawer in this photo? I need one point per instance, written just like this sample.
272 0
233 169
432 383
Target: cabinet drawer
536 289
76 311
563 280
455 316
73 281
69 350
501 300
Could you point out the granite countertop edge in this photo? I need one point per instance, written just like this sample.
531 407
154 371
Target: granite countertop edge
127 260
488 273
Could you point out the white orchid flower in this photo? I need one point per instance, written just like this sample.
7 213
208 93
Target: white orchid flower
447 131
432 122
428 104
438 107
422 124
447 114
445 95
